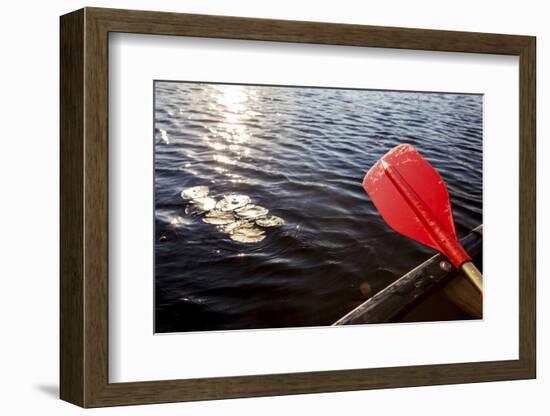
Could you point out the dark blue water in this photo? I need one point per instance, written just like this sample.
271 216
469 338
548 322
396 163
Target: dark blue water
302 153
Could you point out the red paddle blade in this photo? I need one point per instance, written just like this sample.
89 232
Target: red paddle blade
413 199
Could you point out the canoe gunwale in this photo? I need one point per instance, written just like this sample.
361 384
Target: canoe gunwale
401 294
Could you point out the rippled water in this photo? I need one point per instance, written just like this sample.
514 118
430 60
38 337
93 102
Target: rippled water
302 153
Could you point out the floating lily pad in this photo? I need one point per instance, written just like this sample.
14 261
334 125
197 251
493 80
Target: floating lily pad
272 221
204 204
251 212
229 228
218 217
247 234
234 214
195 192
232 202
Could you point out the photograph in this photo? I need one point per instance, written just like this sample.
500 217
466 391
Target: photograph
291 206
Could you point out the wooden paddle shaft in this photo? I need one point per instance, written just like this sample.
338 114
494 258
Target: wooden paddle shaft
473 275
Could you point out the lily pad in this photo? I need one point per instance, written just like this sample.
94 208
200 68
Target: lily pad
272 221
218 217
251 212
195 192
232 202
204 204
248 234
229 228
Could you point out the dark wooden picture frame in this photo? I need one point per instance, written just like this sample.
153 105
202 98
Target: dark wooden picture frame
84 207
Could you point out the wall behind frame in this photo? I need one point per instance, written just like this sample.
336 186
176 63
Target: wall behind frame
29 211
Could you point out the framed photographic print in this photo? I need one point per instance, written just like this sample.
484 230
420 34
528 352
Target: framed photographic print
255 207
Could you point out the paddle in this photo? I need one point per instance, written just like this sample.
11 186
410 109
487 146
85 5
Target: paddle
413 199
